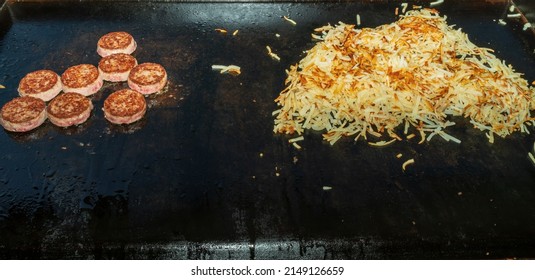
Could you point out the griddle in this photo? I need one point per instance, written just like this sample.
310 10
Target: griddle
203 176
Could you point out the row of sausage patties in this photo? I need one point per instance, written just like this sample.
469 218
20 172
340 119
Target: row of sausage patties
72 107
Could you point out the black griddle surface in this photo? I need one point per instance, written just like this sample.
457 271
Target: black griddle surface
204 176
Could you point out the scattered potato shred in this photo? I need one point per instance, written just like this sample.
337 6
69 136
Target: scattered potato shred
415 72
227 69
407 163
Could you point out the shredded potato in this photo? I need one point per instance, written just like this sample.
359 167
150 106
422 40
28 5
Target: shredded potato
407 163
382 143
272 54
296 139
417 71
293 22
404 7
436 3
227 69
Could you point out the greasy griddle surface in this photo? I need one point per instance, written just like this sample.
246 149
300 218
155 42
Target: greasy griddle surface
204 176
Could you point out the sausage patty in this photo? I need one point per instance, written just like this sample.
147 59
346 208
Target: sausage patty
83 78
116 42
23 114
68 109
43 84
147 78
124 106
116 67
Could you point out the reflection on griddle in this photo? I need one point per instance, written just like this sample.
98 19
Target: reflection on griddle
29 136
167 97
126 128
74 129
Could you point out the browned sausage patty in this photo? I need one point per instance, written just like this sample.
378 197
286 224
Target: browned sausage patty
116 67
116 42
23 114
147 78
43 84
124 106
83 78
68 109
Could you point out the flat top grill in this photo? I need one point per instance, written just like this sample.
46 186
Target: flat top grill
204 176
